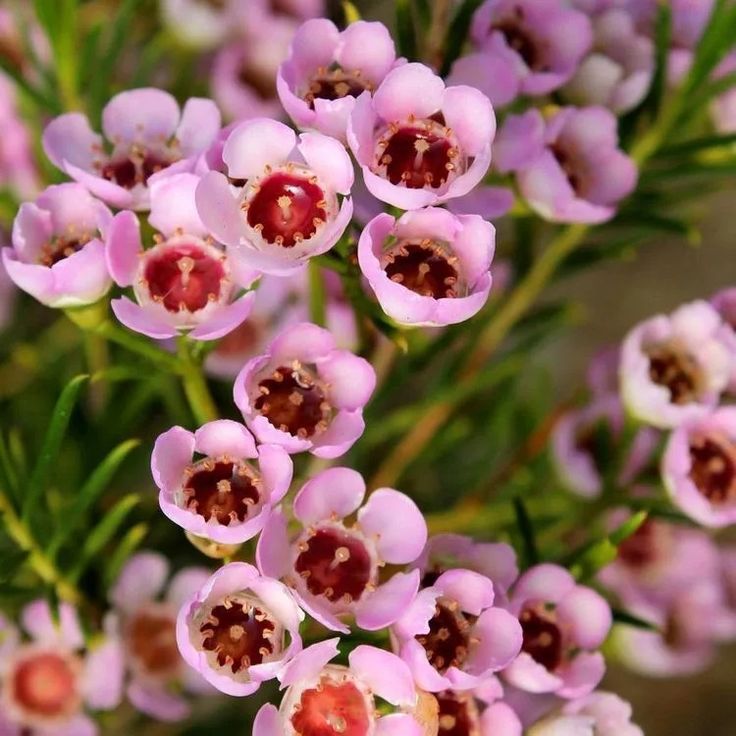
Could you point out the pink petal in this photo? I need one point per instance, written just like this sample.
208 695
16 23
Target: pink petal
500 641
328 159
102 679
309 662
225 437
185 584
267 722
140 581
588 616
255 144
470 115
410 89
157 702
226 319
390 600
218 209
140 320
351 379
172 452
173 205
83 277
367 47
385 674
123 247
276 469
143 115
272 552
32 229
35 279
337 491
398 724
473 591
36 620
199 126
314 44
303 341
70 139
499 719
546 582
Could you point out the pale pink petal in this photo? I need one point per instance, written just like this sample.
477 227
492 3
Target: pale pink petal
386 675
172 452
141 580
410 89
337 491
255 144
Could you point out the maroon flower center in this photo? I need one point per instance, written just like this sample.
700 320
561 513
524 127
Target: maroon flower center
218 488
521 40
335 564
542 638
332 709
151 638
677 371
239 633
264 85
45 685
641 549
573 168
424 267
458 714
292 400
334 84
135 168
448 640
183 277
59 248
713 468
243 340
287 208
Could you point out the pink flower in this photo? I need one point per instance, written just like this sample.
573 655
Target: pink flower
675 367
147 626
288 208
453 637
305 394
201 25
146 133
327 70
563 624
48 684
223 495
429 267
418 142
334 699
239 629
185 282
332 566
465 711
18 171
724 302
58 252
569 167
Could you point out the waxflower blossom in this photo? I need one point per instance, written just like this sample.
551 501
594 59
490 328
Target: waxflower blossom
304 393
144 133
453 637
675 367
563 624
327 70
185 282
331 699
18 171
429 267
418 142
461 713
225 495
146 623
288 208
239 629
569 167
50 682
699 467
58 247
333 566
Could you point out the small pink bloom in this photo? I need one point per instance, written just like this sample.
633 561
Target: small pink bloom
147 134
332 566
185 282
418 142
224 495
429 267
304 393
327 70
58 252
18 170
289 207
470 717
239 629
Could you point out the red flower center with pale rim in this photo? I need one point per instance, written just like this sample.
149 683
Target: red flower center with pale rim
45 684
184 277
335 564
458 714
334 707
151 639
448 642
240 633
424 267
221 489
59 248
334 84
677 371
286 208
135 168
294 401
542 638
713 468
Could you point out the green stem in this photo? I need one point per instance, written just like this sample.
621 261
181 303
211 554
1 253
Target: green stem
317 297
195 386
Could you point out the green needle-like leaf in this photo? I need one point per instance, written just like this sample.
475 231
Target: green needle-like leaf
458 33
405 31
624 617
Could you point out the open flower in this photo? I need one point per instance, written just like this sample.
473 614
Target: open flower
569 167
675 367
462 713
223 494
147 625
327 69
563 624
58 252
185 282
331 699
429 267
305 394
332 565
239 629
418 142
453 637
289 207
145 133
48 684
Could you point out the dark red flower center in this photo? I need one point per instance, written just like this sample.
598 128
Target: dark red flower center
294 401
448 641
519 37
424 267
458 714
239 633
334 84
573 168
151 638
642 548
713 468
332 708
335 564
221 489
59 248
253 77
542 637
45 684
135 168
287 208
183 277
677 371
